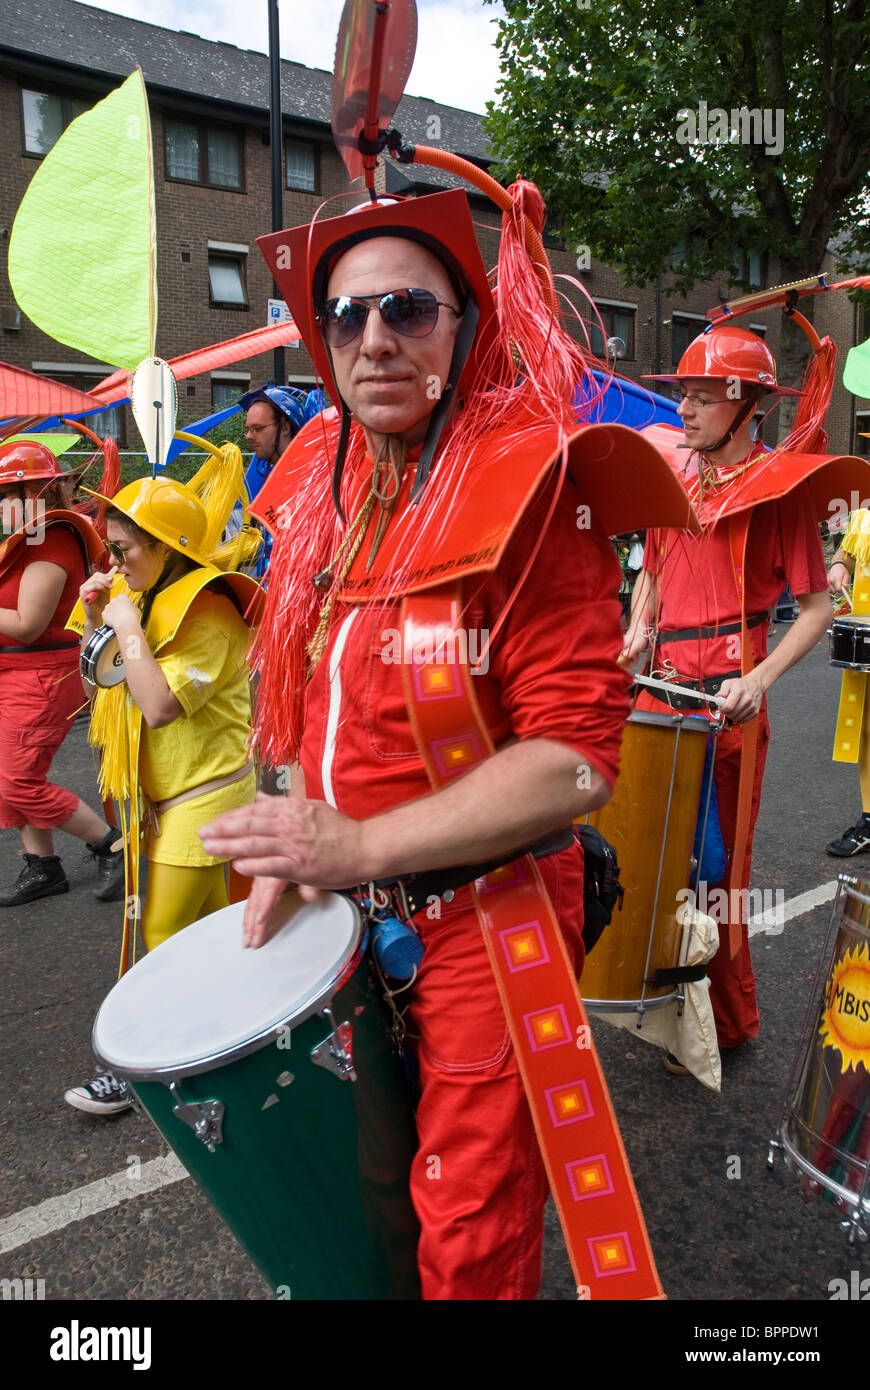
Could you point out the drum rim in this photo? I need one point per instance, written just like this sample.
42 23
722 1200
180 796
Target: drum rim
309 1005
631 1006
689 719
858 1200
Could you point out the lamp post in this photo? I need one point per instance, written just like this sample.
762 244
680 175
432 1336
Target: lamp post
276 147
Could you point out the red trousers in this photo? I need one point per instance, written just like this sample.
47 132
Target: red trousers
732 982
478 1181
36 710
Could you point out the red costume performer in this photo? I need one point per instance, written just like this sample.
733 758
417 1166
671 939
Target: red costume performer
42 563
707 600
495 498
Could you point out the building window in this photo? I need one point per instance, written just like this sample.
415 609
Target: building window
684 330
46 115
226 279
749 268
300 162
618 323
862 428
211 155
108 424
226 390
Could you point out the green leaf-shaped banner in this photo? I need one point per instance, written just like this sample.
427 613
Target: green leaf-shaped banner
82 254
856 372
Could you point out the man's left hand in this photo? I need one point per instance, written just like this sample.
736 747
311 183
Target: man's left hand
742 698
290 838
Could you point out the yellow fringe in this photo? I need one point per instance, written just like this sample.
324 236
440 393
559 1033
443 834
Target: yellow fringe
857 539
242 550
219 484
110 732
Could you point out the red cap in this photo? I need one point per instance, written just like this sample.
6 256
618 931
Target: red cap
25 461
728 353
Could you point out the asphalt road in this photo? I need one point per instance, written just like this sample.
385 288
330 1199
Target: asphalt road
716 1236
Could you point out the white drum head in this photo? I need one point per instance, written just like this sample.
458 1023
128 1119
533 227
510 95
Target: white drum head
202 996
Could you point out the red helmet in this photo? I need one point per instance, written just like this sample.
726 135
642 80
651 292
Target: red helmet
25 461
728 353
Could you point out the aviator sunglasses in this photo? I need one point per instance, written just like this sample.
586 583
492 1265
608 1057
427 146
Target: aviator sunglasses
412 313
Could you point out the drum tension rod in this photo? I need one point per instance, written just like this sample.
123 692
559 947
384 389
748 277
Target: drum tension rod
205 1117
335 1052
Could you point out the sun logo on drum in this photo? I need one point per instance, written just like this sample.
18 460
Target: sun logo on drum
846 1017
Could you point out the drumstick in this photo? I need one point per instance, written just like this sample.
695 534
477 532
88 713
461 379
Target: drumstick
92 594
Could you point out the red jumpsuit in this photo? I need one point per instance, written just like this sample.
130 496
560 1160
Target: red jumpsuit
696 588
40 691
478 1182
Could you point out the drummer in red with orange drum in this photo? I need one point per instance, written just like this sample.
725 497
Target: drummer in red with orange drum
760 532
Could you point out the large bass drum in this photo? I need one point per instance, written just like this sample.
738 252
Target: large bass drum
825 1131
272 1076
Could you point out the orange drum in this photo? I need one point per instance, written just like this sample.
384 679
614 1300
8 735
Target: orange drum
825 1132
650 821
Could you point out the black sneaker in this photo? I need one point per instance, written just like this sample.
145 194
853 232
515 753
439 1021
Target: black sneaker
105 1095
41 877
110 868
853 840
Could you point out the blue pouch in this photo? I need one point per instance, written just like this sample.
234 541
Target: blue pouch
709 848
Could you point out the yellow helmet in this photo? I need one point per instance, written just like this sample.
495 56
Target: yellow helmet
168 510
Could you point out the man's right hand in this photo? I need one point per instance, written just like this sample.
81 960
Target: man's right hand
260 921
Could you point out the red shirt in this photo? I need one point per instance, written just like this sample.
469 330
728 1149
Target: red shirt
696 585
60 547
552 670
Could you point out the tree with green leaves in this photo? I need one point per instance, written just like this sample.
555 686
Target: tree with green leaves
676 136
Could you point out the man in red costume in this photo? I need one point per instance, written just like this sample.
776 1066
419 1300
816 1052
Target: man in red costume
688 597
399 317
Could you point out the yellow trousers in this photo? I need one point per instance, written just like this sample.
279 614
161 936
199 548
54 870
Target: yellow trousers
178 895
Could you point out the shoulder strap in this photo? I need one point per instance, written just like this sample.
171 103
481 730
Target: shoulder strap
567 1094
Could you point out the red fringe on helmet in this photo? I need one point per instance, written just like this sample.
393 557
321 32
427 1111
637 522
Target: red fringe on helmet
553 369
307 536
808 435
110 479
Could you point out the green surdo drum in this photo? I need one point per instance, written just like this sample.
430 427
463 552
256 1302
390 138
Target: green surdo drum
272 1076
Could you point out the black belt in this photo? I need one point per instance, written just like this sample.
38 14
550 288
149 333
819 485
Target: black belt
683 634
41 647
711 686
418 890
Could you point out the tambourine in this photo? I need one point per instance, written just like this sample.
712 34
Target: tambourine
101 662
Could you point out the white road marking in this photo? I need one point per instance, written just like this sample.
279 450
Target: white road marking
760 924
56 1212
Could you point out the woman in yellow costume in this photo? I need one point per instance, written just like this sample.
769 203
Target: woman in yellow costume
174 733
852 559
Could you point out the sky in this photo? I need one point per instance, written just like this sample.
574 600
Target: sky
456 61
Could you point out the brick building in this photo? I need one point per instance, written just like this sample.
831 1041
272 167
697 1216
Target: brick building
209 112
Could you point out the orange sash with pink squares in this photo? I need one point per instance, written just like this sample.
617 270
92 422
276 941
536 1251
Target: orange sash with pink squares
578 1135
